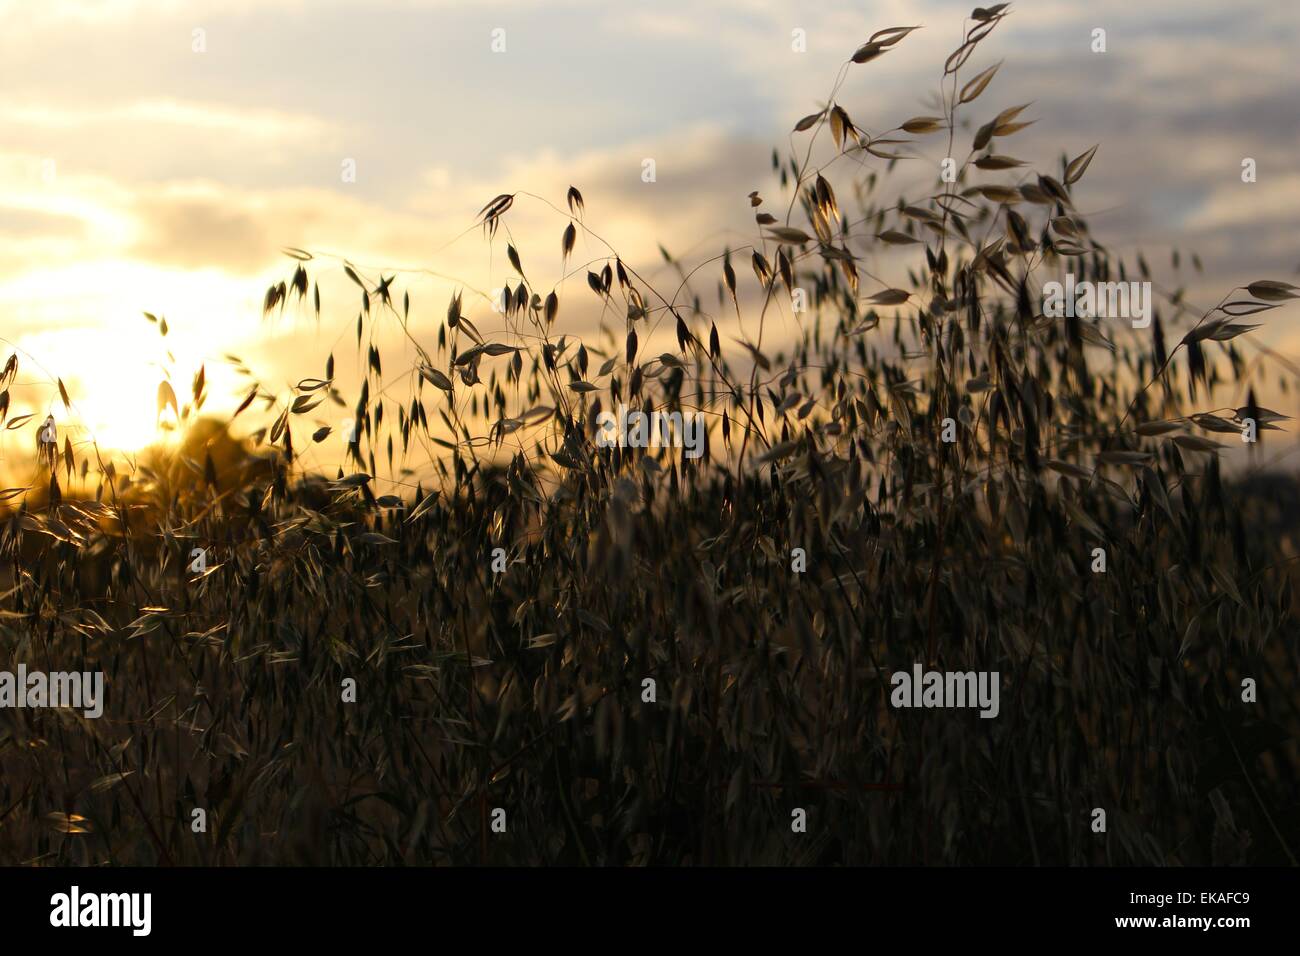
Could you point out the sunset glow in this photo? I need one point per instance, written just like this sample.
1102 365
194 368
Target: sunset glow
167 180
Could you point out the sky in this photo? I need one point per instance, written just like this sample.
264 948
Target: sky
157 156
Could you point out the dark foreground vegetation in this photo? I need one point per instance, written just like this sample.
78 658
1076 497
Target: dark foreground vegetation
346 678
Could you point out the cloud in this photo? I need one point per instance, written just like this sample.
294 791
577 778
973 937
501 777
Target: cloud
197 230
23 224
258 124
1275 201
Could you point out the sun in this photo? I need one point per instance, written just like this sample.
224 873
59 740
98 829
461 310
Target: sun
119 412
111 378
84 323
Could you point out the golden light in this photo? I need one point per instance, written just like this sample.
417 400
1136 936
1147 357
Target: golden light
92 334
111 385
